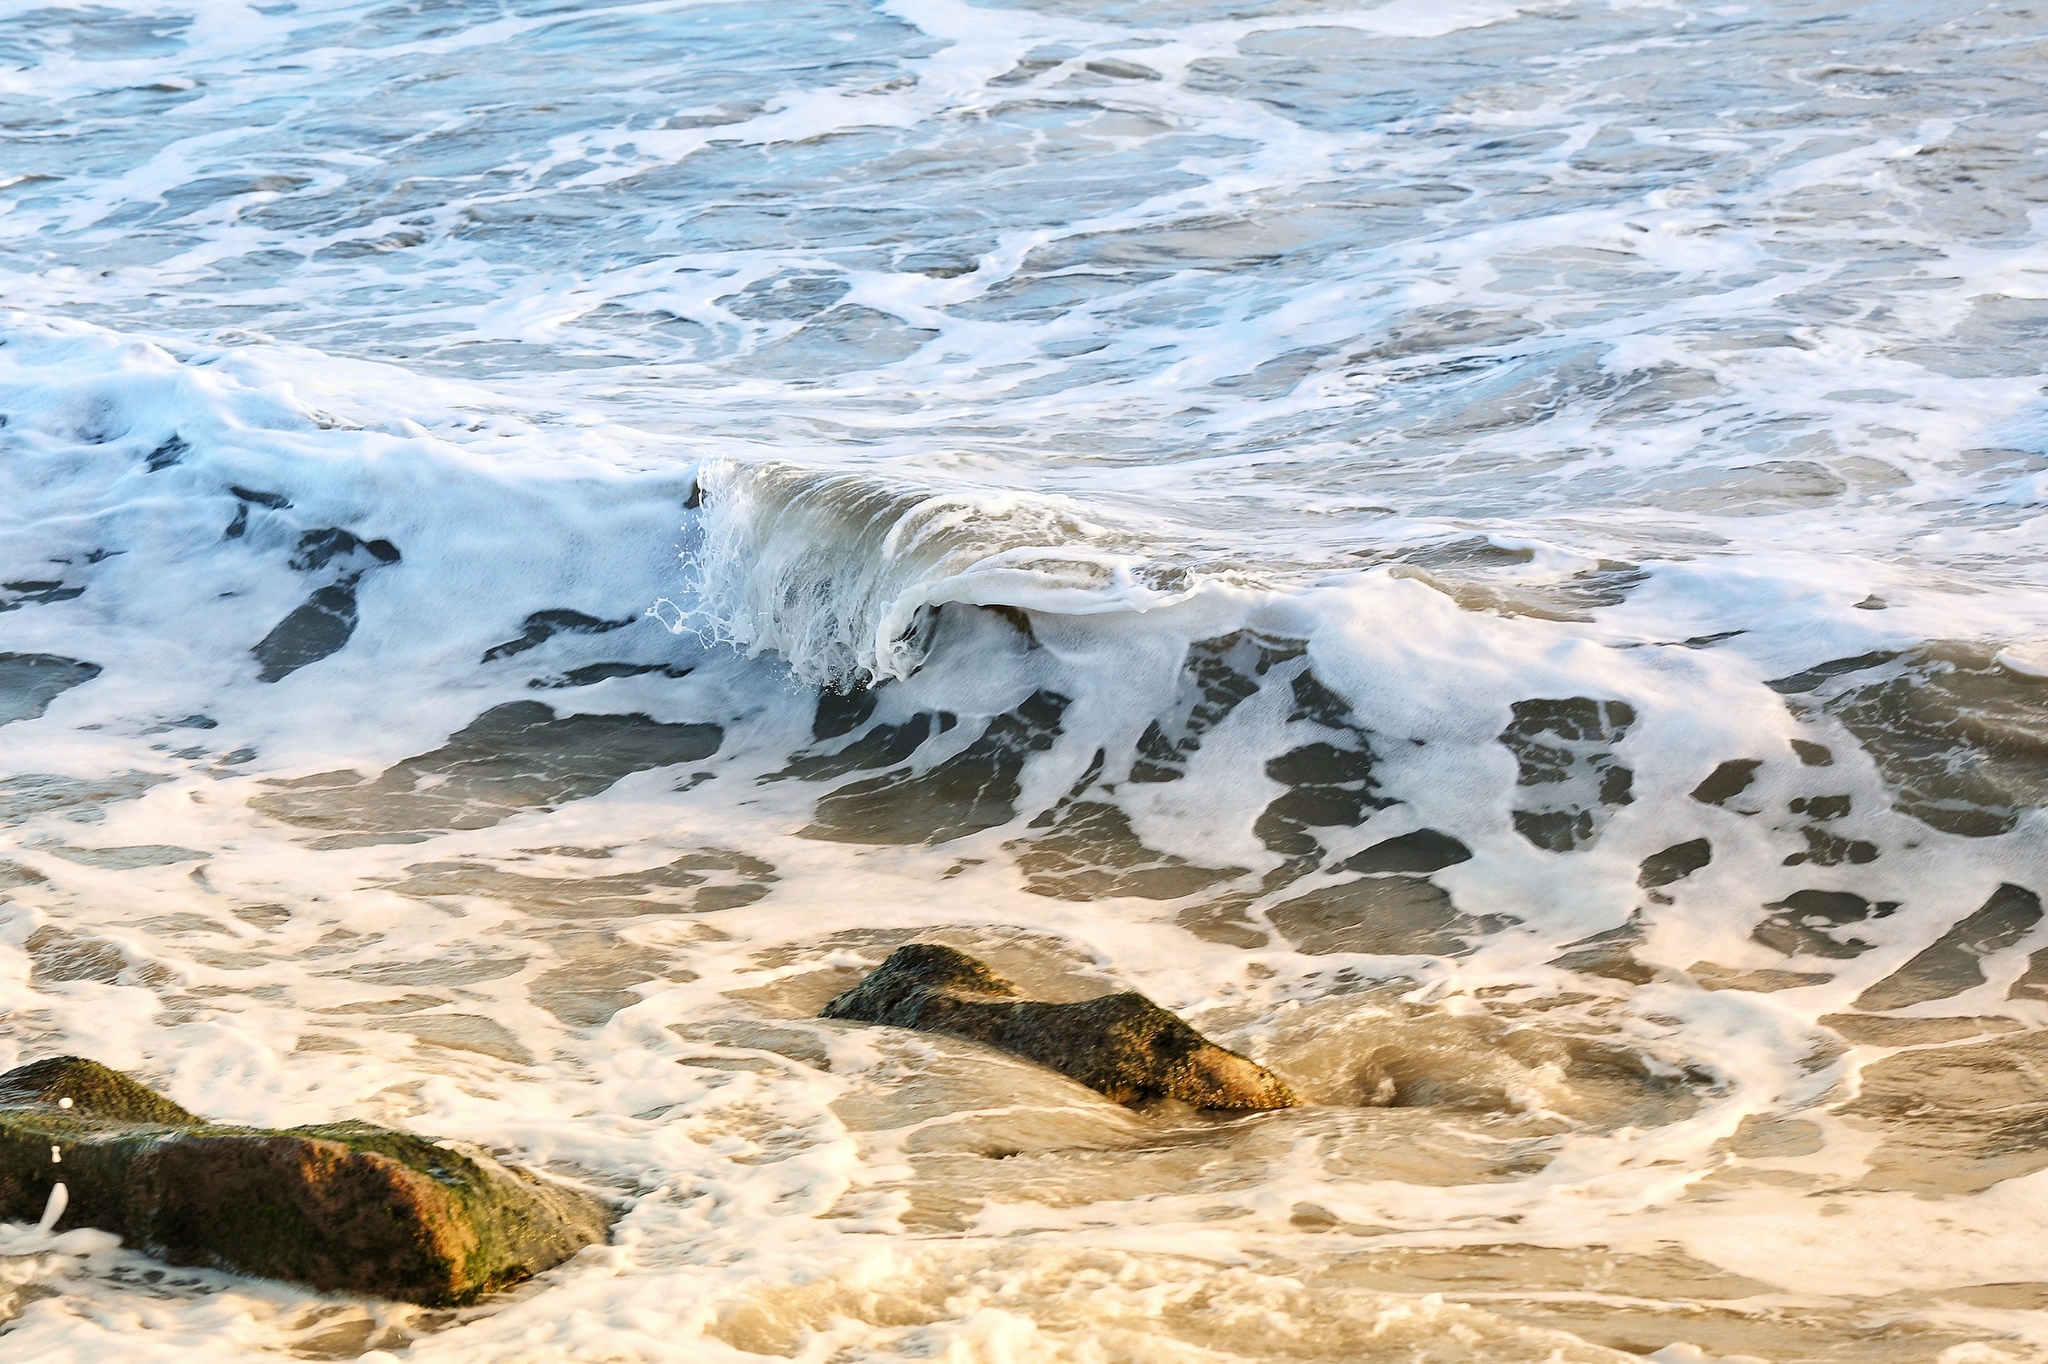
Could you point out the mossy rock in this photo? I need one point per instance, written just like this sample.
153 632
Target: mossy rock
1122 1045
342 1206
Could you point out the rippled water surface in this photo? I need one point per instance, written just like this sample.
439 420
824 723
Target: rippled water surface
1491 555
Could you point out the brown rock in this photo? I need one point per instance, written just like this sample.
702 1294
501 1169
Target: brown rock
1122 1045
342 1206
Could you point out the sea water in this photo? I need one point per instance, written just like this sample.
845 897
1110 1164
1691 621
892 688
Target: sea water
1489 554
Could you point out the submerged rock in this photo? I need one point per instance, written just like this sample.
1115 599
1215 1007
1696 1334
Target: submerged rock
1122 1045
342 1206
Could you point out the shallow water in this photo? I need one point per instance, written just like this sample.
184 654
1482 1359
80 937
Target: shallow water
1489 554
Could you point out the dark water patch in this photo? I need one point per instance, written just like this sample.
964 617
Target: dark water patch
189 722
1610 954
881 746
1383 916
1473 552
1330 779
1870 1030
30 682
167 453
1317 704
789 296
36 592
262 916
183 925
1811 679
1962 741
14 876
840 340
1459 570
1728 781
57 956
1090 851
461 1032
806 1046
1710 975
464 969
1217 676
1119 70
319 548
1573 1275
1225 920
1805 921
697 882
975 789
317 629
1813 755
1423 851
1621 1302
595 978
1329 787
542 626
1567 774
511 759
1766 488
2033 982
1825 848
842 712
404 1004
323 625
1674 863
1430 333
1953 963
274 501
131 857
1956 1119
595 673
24 797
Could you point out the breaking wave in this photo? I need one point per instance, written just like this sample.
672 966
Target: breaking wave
841 573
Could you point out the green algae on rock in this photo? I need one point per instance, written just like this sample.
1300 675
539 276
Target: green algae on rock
342 1206
1122 1045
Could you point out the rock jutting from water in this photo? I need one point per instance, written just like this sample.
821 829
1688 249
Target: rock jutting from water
1122 1045
344 1206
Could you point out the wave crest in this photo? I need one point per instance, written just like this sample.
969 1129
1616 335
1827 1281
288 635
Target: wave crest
840 572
